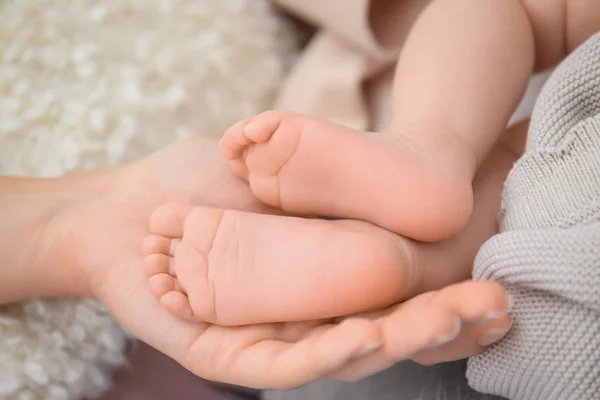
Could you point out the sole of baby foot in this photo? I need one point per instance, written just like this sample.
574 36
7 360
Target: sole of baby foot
237 268
312 167
479 310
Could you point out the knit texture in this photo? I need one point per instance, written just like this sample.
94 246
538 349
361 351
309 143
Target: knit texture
547 254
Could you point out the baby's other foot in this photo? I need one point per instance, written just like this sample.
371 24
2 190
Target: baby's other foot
313 167
238 268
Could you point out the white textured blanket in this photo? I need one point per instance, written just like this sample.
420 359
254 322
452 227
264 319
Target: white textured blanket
85 83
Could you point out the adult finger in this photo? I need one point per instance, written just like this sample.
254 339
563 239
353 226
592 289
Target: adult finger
483 308
406 329
256 356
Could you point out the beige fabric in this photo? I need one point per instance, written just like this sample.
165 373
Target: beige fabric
355 48
345 73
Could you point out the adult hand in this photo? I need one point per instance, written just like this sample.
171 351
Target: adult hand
97 240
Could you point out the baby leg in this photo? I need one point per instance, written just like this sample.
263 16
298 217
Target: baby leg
463 71
466 64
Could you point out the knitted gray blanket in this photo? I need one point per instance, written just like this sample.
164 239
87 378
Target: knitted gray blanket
547 254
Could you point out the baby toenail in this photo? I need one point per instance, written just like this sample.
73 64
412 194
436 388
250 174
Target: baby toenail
492 336
252 128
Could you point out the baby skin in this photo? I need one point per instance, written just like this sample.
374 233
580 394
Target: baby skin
463 69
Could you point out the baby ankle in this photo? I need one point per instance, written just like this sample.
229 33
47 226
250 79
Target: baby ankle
450 151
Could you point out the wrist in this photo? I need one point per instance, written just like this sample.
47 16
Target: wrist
35 260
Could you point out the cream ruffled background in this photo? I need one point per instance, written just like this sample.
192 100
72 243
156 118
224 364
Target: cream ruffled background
85 83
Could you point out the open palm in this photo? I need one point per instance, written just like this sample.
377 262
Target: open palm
106 250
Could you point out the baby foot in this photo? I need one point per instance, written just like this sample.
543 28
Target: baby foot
305 166
218 266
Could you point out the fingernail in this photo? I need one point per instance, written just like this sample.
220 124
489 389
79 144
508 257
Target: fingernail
448 337
510 302
443 339
489 317
501 314
494 315
369 348
492 336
